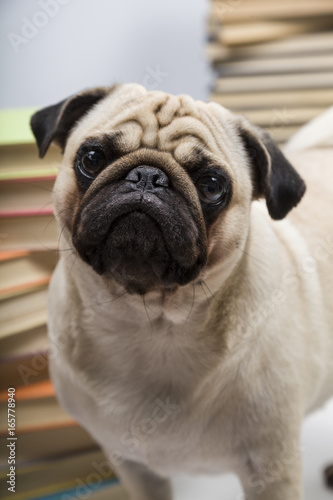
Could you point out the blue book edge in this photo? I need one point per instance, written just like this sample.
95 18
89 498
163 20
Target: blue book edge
73 493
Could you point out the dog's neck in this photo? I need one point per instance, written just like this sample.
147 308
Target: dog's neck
171 342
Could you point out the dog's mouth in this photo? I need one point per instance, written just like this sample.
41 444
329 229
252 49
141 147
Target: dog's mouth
138 256
145 239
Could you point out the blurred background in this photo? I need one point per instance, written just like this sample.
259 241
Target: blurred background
271 61
85 44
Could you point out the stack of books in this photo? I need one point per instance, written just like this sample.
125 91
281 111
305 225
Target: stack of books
273 60
54 456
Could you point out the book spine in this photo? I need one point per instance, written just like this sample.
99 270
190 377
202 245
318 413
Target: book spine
26 213
6 178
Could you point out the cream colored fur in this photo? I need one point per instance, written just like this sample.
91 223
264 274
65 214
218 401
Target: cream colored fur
217 376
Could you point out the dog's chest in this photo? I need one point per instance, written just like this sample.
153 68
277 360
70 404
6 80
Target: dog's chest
168 437
159 430
143 410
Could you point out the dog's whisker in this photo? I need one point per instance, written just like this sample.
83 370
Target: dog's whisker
58 250
192 304
63 189
149 319
44 188
204 291
71 193
150 309
111 300
60 234
62 229
73 253
252 256
65 249
65 209
210 292
74 260
55 214
44 206
50 222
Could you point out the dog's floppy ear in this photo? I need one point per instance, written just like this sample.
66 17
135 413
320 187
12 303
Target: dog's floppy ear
53 124
273 176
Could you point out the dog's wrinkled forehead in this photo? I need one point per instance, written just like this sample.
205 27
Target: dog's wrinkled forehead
154 119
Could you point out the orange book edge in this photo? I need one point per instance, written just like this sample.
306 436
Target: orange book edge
13 254
37 390
23 288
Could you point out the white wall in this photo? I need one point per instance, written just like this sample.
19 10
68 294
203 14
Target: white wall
49 53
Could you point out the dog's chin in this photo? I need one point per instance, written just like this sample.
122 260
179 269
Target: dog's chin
135 254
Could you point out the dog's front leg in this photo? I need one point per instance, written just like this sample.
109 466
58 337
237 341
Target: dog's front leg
277 481
141 483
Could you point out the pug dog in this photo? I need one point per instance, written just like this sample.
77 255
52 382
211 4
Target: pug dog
193 318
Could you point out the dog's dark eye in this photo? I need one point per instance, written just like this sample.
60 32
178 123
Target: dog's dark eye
92 163
211 189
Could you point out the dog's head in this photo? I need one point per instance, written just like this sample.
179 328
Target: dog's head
156 189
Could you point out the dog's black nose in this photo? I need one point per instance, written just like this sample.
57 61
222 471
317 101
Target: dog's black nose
146 178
